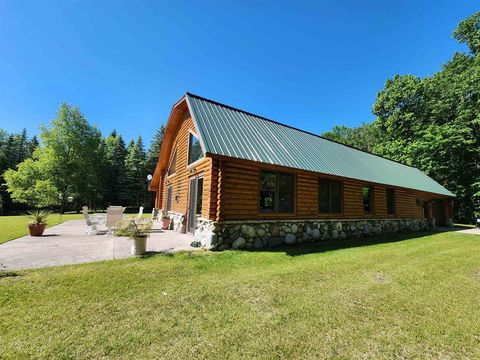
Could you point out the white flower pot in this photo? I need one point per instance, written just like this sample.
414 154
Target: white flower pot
139 245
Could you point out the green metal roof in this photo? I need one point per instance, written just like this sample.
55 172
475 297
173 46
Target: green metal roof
227 131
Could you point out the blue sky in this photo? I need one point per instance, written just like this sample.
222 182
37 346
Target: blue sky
308 64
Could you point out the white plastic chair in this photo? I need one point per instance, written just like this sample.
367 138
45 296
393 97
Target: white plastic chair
140 213
91 222
114 215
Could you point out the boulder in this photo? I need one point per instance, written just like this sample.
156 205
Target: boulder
274 230
316 234
240 243
248 231
294 228
290 239
258 243
261 232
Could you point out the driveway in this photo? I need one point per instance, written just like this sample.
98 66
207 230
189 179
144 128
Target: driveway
471 231
67 244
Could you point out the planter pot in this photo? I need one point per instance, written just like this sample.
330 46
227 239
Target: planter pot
139 245
37 229
165 224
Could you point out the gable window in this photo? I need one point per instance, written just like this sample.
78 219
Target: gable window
173 164
276 192
390 201
194 149
367 194
329 196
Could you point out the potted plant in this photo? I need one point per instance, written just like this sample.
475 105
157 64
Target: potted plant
138 230
165 222
37 223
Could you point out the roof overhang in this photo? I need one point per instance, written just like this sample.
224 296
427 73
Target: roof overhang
168 137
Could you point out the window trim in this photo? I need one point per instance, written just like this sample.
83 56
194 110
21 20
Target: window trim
196 162
275 212
394 214
372 200
341 198
171 160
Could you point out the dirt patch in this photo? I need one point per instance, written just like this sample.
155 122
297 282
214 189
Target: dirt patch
380 278
476 275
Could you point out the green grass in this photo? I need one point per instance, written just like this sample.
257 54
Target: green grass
415 298
12 227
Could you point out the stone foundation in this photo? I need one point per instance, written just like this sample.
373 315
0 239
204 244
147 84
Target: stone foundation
257 234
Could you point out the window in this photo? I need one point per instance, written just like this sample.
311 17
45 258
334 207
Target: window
168 205
276 192
173 163
390 201
198 203
367 199
329 196
194 149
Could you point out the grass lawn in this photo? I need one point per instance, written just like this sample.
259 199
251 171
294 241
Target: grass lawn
12 227
415 298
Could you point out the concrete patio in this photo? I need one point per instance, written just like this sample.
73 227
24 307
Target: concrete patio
67 243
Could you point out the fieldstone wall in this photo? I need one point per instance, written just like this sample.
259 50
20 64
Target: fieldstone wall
270 233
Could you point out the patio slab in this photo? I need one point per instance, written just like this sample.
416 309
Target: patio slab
67 243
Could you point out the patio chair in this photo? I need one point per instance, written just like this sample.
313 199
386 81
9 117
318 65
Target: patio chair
140 213
91 222
114 215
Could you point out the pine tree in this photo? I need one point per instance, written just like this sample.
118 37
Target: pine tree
154 150
32 145
116 192
136 173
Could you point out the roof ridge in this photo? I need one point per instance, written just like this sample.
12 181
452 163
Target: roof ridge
292 127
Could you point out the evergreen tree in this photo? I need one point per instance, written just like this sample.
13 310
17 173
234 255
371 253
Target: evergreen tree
14 148
32 145
116 192
154 150
136 172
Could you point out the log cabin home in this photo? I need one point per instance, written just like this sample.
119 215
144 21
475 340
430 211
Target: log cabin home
237 180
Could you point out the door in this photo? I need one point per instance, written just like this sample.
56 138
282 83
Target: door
195 203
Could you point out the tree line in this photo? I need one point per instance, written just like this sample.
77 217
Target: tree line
74 165
432 123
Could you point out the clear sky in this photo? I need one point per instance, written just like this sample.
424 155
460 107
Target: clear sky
308 64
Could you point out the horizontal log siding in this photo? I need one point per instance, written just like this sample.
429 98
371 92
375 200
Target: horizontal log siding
380 201
180 180
240 196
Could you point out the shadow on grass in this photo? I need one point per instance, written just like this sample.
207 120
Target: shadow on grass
149 254
331 245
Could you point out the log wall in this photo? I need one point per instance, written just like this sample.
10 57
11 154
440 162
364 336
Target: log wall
240 195
180 181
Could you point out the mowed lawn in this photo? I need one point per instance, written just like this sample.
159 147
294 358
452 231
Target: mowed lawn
12 227
415 298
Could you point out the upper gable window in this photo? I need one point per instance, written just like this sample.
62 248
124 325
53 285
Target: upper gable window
173 164
194 149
